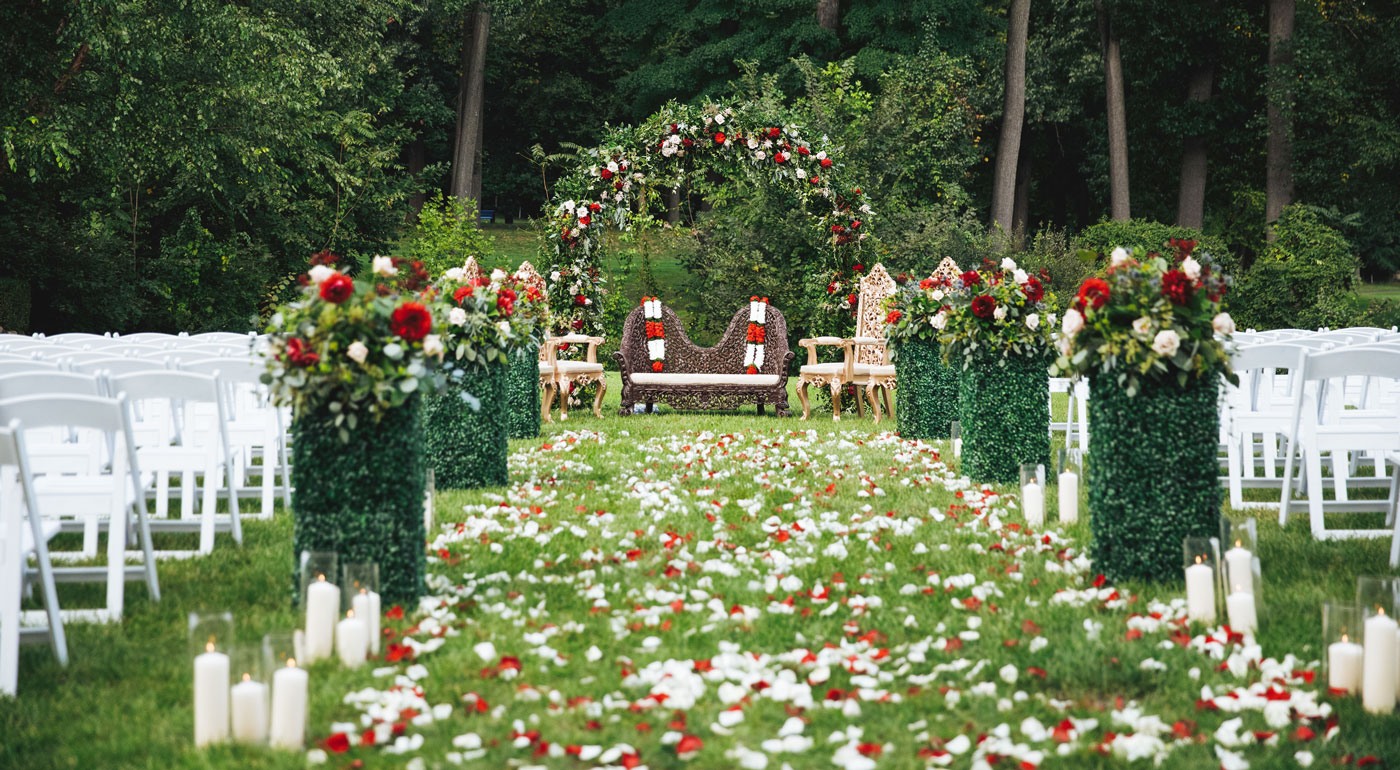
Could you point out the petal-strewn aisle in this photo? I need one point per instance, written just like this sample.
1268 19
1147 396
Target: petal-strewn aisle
752 599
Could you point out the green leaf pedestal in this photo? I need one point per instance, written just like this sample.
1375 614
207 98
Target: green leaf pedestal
928 390
1004 408
523 386
466 427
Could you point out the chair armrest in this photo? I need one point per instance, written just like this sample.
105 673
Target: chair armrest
593 343
868 340
811 344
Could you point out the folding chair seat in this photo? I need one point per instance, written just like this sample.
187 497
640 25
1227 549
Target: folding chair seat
23 534
112 492
199 453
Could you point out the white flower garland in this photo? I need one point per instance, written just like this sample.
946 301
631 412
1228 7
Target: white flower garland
656 343
756 342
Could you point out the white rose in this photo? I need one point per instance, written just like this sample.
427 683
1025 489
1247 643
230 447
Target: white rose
1074 321
1224 324
357 352
455 274
1062 345
1166 342
504 328
760 155
498 275
385 266
457 316
554 276
1020 276
1008 264
569 205
1033 321
720 118
753 143
938 294
1191 268
319 273
999 313
940 320
432 345
1119 256
1143 325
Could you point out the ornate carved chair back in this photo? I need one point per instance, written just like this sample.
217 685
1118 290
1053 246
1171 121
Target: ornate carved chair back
528 275
875 289
472 269
947 270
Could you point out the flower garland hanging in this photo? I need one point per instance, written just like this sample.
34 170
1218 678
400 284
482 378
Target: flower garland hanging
656 333
753 351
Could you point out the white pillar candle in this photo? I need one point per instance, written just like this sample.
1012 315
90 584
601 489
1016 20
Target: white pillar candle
1240 606
1344 665
210 697
322 608
352 640
1200 592
1239 568
1033 503
367 607
957 447
1069 497
1378 665
288 728
249 711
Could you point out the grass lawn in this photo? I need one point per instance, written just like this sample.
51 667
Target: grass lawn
1380 290
814 594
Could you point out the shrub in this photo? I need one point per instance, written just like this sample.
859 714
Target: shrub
465 427
446 234
1152 237
14 305
1304 279
1004 407
928 390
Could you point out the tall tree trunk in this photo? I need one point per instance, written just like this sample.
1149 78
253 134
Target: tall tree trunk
828 14
1191 196
466 149
1278 183
1021 212
478 167
673 206
1120 208
417 161
1013 113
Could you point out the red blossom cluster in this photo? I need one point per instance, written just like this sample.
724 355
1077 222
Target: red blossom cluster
300 354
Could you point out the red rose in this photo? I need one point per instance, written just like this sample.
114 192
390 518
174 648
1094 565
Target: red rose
803 151
337 288
656 366
837 229
580 300
578 323
893 317
856 225
851 298
1092 294
856 191
299 354
859 267
971 278
594 207
773 133
506 301
462 293
689 744
411 321
1033 289
778 157
983 306
1176 287
927 283
815 180
719 137
826 162
831 288
584 220
605 173
338 743
1183 247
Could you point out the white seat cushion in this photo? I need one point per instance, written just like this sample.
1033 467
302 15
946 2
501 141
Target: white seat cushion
824 369
880 370
577 367
678 378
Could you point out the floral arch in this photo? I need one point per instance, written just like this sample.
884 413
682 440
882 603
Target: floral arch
615 185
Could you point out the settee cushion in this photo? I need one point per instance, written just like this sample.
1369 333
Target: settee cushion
684 378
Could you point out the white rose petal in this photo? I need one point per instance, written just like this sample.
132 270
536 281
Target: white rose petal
1191 268
1143 325
1033 321
357 352
457 316
1074 321
385 266
1166 342
1119 256
319 273
432 345
1223 324
1008 264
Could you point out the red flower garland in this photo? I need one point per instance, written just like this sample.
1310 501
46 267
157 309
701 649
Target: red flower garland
654 331
755 333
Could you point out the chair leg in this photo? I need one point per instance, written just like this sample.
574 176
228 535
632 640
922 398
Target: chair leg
860 407
1312 456
1234 471
802 396
563 386
546 401
885 394
836 401
11 577
874 403
598 399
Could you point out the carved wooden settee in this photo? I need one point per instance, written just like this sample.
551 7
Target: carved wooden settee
693 377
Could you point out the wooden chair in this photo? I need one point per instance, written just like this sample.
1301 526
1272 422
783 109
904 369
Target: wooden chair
557 376
865 361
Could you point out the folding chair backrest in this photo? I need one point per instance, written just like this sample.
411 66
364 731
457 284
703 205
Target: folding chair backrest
75 337
148 338
114 366
166 384
132 349
93 412
233 338
48 383
17 367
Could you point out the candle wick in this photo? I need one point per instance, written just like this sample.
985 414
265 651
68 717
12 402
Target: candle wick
247 677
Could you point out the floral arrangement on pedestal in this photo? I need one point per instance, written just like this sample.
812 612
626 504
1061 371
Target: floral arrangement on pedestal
994 326
350 356
754 337
1148 336
656 333
485 322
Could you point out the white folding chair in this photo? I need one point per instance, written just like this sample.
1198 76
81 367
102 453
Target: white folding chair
75 338
148 338
23 533
16 367
113 366
1321 422
112 492
131 349
1260 406
256 428
200 453
232 338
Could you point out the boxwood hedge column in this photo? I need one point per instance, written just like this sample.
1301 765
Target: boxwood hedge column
1152 474
927 400
523 386
363 498
1004 407
465 428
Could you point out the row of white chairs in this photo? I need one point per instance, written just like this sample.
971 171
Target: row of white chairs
1312 403
86 445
